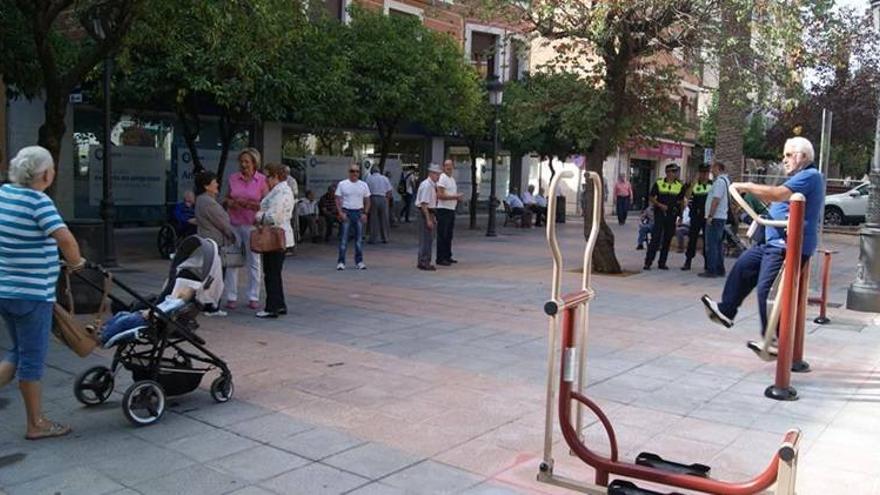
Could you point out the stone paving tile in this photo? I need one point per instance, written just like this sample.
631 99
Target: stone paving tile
317 443
315 479
226 414
252 490
377 488
269 428
372 460
432 477
80 480
198 480
493 489
259 463
211 445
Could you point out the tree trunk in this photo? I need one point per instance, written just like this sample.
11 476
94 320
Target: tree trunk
190 132
552 169
52 131
735 59
386 132
227 132
604 259
472 208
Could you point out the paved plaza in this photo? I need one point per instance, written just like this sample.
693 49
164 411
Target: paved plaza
393 380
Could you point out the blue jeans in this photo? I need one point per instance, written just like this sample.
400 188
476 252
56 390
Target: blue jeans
28 323
755 268
353 218
644 230
714 252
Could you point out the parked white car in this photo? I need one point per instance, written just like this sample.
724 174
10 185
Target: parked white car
848 207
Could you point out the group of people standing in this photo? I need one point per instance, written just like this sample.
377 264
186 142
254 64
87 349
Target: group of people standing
437 198
703 200
253 198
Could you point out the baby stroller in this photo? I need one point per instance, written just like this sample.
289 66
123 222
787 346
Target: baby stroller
161 349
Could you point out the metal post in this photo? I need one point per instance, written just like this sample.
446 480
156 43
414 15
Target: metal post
781 388
798 363
108 210
493 201
864 293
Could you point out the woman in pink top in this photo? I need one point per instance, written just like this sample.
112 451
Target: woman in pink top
623 194
247 188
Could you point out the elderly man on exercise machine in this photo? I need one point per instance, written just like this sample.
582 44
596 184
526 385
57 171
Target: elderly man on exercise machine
759 266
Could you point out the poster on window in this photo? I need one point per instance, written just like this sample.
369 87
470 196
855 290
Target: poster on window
138 175
210 160
323 171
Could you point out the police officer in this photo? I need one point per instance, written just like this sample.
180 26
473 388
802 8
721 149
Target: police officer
667 198
696 194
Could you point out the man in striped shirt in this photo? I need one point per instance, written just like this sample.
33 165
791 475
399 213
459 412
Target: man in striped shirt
31 232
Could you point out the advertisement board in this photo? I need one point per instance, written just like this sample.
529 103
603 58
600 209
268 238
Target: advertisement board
139 175
210 159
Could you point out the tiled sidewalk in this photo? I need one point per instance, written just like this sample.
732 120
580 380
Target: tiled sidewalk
394 380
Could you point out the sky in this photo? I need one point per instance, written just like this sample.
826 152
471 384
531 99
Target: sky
857 4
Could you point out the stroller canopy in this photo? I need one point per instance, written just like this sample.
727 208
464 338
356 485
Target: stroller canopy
197 259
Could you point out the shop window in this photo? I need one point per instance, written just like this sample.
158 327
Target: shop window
484 52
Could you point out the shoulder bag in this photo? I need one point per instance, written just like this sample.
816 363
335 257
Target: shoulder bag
267 239
80 339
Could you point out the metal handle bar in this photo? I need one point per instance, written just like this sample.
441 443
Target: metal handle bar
553 240
748 209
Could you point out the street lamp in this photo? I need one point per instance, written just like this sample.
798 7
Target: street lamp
496 93
864 293
108 208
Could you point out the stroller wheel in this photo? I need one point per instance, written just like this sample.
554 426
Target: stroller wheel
93 386
144 403
222 388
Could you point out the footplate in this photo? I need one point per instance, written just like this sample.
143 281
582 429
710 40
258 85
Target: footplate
657 462
620 487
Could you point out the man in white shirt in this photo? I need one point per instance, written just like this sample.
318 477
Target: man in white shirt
353 206
426 202
447 200
380 190
307 212
517 207
531 204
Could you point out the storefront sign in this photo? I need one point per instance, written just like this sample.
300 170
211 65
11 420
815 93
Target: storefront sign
324 171
664 150
138 175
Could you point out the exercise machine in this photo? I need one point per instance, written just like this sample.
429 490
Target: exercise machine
566 382
786 319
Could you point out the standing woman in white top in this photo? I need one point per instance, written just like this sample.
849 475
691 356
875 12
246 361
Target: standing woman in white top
447 200
31 232
276 209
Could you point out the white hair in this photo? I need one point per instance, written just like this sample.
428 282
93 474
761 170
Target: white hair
802 145
28 164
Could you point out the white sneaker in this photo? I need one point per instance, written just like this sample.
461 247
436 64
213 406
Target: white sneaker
340 266
715 313
361 266
219 313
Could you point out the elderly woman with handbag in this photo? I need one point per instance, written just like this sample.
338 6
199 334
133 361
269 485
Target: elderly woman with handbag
247 188
212 222
273 236
31 232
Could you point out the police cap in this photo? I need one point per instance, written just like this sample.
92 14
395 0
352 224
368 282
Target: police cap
672 167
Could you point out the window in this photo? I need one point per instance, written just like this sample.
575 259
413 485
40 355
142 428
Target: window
393 7
335 8
483 53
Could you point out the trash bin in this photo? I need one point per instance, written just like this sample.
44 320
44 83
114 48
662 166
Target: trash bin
560 209
89 235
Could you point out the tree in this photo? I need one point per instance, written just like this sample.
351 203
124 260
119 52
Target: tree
549 113
235 58
50 46
475 124
628 48
402 72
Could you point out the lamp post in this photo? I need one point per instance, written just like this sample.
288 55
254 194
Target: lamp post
496 93
864 293
108 208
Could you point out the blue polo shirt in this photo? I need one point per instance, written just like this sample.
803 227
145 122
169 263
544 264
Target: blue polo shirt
810 183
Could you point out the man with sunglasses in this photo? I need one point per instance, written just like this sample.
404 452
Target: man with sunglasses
758 267
353 206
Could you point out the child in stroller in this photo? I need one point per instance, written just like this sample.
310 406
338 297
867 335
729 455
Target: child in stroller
156 341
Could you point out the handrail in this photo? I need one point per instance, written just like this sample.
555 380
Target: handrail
748 209
552 240
594 229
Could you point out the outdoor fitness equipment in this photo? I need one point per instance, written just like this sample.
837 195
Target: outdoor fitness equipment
790 303
571 378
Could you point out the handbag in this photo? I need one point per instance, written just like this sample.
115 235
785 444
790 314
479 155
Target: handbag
232 256
80 339
267 239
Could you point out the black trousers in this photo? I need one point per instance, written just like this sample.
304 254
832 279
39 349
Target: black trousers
661 237
445 227
697 230
273 263
407 201
622 209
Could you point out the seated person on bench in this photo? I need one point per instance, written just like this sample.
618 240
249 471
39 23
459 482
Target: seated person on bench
517 207
124 324
759 265
531 204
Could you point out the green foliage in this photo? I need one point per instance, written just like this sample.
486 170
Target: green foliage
709 124
550 113
755 139
403 72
